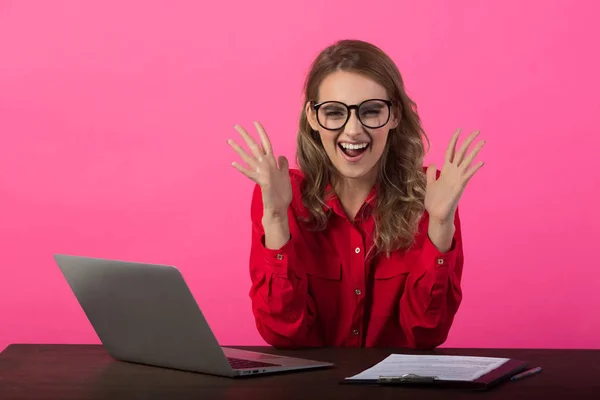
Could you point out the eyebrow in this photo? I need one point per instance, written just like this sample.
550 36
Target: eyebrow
375 105
333 106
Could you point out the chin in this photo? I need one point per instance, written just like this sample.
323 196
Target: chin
355 172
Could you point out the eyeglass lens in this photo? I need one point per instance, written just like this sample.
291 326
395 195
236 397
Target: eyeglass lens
371 113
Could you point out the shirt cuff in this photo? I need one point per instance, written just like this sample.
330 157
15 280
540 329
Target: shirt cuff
277 260
438 267
435 266
434 258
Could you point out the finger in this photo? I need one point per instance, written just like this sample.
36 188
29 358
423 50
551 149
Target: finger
472 171
452 146
245 156
465 146
264 138
250 174
471 156
431 174
254 148
284 166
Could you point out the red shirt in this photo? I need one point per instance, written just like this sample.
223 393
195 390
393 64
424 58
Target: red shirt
318 290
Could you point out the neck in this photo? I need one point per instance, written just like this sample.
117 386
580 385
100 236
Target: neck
354 192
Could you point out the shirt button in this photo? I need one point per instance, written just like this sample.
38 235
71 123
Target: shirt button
440 261
358 292
357 250
279 256
355 332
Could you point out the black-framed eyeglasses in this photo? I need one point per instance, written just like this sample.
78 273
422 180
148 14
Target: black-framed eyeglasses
334 115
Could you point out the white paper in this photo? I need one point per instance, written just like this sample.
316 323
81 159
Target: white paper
449 368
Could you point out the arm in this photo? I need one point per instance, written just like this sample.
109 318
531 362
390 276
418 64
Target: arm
284 311
433 293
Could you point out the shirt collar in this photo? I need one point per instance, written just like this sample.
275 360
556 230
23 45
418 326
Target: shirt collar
332 201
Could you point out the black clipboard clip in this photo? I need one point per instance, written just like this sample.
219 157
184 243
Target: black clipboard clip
406 378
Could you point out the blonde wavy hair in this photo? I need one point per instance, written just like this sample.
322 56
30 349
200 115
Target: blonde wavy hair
401 179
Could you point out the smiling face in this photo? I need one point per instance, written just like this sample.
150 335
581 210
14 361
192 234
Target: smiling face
354 148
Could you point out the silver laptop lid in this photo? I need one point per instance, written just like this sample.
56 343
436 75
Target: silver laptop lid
144 313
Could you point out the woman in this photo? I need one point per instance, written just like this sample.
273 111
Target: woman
360 246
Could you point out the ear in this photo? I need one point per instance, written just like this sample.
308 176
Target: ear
396 116
311 116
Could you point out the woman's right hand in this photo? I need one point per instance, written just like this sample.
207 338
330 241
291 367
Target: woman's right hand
270 174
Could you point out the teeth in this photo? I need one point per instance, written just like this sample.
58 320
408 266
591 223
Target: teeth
351 146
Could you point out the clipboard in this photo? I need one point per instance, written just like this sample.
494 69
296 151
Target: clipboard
485 382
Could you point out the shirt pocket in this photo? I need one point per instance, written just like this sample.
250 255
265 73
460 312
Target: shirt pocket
326 289
391 268
329 271
388 286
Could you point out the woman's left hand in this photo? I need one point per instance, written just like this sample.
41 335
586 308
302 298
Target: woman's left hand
442 194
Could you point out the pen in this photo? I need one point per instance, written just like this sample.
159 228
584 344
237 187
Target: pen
527 373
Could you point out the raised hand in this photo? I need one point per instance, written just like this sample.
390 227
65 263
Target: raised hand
442 194
270 174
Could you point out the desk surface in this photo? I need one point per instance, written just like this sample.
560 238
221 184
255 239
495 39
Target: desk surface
31 371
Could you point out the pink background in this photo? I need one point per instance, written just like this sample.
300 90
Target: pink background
114 117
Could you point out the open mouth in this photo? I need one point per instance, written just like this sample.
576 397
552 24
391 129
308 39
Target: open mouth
353 149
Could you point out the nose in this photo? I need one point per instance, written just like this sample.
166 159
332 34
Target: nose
353 126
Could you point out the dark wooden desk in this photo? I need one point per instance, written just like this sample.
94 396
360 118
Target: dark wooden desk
88 372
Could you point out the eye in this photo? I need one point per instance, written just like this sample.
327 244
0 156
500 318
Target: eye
371 112
332 111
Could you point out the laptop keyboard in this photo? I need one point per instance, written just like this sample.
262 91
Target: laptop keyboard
238 363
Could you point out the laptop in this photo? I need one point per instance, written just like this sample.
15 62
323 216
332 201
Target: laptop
146 314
